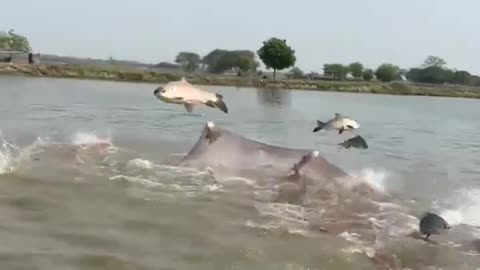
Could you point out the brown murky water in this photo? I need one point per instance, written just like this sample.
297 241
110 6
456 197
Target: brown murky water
65 204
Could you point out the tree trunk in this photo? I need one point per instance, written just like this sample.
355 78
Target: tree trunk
274 74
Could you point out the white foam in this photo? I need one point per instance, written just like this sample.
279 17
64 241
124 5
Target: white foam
453 217
247 181
467 210
88 138
7 152
138 180
210 124
351 237
369 251
316 153
140 163
5 165
374 178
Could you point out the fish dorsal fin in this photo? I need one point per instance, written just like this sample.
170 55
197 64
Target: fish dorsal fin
212 135
337 115
189 107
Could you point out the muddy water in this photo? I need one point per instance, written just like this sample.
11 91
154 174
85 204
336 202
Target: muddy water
66 204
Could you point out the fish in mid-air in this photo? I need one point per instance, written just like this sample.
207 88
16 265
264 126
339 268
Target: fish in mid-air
182 92
339 122
433 224
355 142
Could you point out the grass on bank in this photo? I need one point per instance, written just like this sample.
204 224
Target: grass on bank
113 73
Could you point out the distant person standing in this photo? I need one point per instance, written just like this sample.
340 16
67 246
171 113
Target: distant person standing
33 58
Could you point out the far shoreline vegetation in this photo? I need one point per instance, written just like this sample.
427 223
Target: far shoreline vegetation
239 68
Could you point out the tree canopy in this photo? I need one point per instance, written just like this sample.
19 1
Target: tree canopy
188 60
462 77
15 42
356 69
387 72
296 73
367 74
276 54
337 71
434 71
434 61
218 61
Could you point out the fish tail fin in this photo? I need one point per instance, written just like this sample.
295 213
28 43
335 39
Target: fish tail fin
320 126
220 104
345 144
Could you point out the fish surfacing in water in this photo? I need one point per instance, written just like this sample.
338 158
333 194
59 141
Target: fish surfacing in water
182 92
355 142
433 224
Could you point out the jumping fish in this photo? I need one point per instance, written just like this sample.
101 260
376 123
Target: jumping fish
182 92
339 122
355 142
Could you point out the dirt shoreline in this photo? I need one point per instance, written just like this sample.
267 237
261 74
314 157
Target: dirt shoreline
118 74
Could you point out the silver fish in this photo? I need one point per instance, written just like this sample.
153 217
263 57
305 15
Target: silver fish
339 122
182 92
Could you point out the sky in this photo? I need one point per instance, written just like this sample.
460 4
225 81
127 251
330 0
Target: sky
341 31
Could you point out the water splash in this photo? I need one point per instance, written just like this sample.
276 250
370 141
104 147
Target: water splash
376 179
466 211
88 138
8 151
140 163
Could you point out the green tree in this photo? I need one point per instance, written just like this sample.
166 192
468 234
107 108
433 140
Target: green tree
436 74
188 60
387 72
218 61
296 73
212 57
356 69
368 74
241 61
434 61
462 77
337 71
276 54
244 64
15 42
414 75
475 80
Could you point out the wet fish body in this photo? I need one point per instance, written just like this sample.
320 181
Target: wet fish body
433 224
182 92
339 122
355 142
